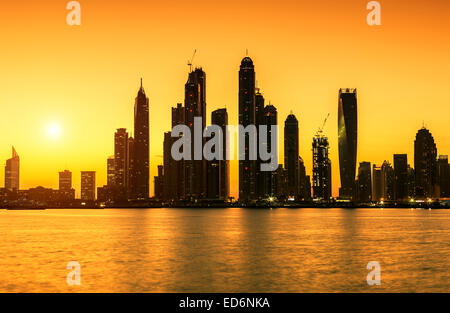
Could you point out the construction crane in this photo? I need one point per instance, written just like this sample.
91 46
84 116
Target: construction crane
191 60
320 131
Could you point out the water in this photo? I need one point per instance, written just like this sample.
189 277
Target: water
225 250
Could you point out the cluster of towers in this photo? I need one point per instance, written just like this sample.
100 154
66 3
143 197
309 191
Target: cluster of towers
196 179
128 173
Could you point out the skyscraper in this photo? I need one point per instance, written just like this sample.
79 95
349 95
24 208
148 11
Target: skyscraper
141 162
364 182
377 183
444 176
65 180
121 160
220 118
88 185
195 106
159 183
387 182
12 172
304 181
66 191
247 167
347 136
425 164
321 169
400 177
110 168
259 120
291 155
271 182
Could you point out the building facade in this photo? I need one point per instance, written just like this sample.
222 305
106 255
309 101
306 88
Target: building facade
348 138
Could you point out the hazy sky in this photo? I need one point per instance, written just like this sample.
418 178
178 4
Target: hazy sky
83 79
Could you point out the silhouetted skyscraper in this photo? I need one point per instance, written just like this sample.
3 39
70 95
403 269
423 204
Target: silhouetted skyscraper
377 183
88 185
65 180
220 118
110 168
121 161
364 182
195 106
387 181
259 120
271 183
247 167
141 162
425 164
347 136
12 170
291 154
444 176
304 181
400 177
321 168
159 183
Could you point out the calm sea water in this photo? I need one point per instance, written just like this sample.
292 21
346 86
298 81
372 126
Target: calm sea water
225 250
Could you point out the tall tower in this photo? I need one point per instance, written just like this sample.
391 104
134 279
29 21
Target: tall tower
347 136
400 177
425 164
141 144
220 118
291 155
259 120
321 168
88 185
270 178
364 182
12 171
195 106
247 167
121 158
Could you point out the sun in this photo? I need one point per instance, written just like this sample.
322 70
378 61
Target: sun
53 131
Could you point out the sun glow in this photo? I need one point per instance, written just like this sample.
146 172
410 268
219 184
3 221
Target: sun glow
53 131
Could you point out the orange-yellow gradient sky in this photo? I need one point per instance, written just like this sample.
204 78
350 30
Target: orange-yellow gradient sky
85 78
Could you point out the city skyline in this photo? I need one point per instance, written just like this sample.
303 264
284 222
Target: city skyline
398 68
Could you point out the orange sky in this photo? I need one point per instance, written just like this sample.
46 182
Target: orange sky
85 78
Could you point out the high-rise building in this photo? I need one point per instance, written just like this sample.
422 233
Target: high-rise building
377 183
347 137
321 168
159 183
12 169
411 182
425 164
400 177
220 118
65 180
195 107
121 163
269 181
247 167
110 168
66 192
88 185
444 176
259 120
304 182
387 182
291 155
364 182
141 162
